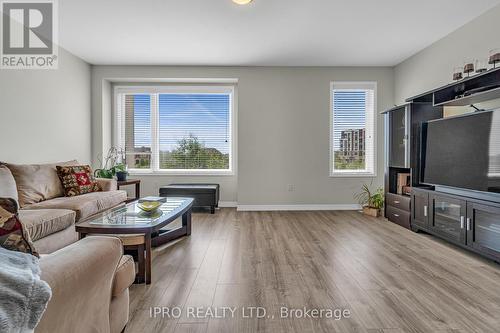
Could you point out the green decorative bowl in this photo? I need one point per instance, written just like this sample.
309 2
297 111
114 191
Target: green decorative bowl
149 206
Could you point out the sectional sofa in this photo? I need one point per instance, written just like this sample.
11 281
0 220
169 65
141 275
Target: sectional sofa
89 278
48 215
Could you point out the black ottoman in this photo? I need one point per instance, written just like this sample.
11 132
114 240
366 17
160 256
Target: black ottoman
204 195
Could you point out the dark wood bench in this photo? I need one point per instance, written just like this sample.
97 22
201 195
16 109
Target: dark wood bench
204 195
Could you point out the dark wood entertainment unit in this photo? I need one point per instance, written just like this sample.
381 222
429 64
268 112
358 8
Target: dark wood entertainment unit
465 218
464 221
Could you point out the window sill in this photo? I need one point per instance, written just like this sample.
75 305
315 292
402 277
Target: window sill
353 175
180 173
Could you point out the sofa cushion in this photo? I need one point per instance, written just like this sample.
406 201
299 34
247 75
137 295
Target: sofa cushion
43 222
84 205
8 187
37 182
77 180
107 184
57 241
124 275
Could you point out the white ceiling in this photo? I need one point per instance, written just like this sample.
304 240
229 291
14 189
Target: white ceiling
264 33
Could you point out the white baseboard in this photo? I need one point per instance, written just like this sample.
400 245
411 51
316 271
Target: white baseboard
228 204
263 208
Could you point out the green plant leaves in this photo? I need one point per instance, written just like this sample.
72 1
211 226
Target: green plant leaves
367 198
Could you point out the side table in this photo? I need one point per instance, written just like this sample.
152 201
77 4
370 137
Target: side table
137 183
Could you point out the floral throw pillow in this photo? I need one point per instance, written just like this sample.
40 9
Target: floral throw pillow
13 235
77 180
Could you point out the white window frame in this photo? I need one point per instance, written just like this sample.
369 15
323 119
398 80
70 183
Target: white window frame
118 134
354 85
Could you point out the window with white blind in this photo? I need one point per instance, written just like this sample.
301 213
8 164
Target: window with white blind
352 134
176 129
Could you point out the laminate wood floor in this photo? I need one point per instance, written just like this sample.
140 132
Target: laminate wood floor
389 278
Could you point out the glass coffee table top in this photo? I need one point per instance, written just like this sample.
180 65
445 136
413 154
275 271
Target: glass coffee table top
130 214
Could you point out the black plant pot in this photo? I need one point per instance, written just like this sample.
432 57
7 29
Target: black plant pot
121 176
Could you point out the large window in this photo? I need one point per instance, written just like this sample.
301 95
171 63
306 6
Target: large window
352 137
182 129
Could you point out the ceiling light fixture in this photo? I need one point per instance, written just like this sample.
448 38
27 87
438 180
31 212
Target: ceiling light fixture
242 2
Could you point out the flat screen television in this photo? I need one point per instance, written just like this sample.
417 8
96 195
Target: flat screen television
463 152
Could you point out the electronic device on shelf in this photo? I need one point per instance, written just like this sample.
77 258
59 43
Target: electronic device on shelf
463 152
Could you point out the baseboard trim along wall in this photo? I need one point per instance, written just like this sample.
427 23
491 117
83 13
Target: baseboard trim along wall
264 208
228 204
247 208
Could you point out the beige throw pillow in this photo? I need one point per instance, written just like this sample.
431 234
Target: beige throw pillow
37 182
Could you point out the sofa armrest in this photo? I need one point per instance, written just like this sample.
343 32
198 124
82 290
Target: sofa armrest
81 277
124 276
107 184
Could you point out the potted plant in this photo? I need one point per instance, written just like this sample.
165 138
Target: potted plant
121 172
110 167
372 202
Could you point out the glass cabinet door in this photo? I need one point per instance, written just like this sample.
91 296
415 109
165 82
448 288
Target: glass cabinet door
420 208
449 217
483 228
398 136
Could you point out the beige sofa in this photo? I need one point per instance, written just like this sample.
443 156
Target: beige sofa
49 216
89 278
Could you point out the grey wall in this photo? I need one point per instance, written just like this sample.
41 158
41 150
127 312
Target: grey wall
433 66
283 130
45 114
283 115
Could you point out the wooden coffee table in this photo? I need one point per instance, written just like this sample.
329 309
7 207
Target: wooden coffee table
129 219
